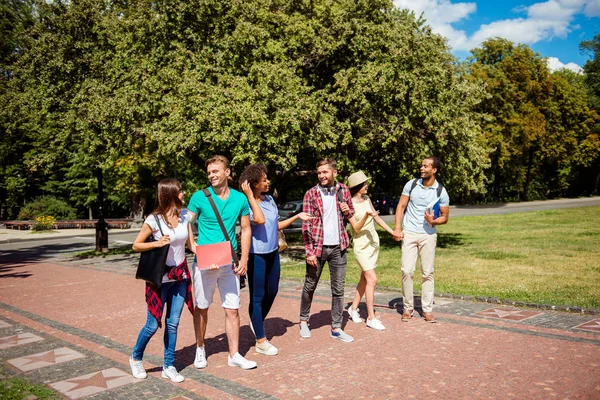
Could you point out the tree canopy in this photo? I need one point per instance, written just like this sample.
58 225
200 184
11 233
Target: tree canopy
139 90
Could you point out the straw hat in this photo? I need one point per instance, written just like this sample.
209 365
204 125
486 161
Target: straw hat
356 179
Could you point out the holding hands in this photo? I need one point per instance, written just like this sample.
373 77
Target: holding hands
398 235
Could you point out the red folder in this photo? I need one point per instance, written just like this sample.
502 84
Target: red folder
208 255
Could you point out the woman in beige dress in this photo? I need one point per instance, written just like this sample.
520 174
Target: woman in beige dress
366 247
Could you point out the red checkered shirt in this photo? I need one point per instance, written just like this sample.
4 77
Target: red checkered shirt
312 230
153 300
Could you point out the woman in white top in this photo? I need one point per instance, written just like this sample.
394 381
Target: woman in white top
175 290
365 246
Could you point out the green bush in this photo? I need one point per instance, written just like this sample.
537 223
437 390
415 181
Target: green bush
47 206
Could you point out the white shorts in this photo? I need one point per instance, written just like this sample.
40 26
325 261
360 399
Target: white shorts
206 280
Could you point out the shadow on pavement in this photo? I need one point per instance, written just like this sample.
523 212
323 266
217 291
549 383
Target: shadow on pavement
39 253
398 304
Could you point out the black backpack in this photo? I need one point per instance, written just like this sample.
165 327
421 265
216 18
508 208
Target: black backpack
414 183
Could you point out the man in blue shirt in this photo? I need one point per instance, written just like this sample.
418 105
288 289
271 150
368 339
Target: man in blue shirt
415 226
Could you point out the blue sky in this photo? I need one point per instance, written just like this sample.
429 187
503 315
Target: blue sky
553 28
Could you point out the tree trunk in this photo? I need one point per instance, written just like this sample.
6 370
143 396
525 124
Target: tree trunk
528 175
138 205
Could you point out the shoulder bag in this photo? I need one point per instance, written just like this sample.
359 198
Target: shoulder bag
281 242
225 234
153 262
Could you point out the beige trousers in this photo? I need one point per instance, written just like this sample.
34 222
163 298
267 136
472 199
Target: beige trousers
413 245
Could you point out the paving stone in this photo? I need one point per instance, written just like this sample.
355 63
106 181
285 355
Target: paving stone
468 355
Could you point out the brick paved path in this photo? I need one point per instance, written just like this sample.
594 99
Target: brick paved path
72 324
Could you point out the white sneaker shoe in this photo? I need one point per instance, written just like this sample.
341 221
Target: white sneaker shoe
304 331
375 323
200 360
354 315
239 361
137 369
266 348
172 374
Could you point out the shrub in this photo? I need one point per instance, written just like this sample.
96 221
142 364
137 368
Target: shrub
43 223
47 206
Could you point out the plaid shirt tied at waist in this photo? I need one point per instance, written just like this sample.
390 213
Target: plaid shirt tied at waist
312 230
153 299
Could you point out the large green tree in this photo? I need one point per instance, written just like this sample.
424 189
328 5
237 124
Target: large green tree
537 124
141 89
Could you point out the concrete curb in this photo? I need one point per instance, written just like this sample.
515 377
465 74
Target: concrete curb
68 236
474 299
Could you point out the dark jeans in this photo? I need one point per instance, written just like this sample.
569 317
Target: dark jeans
337 271
263 277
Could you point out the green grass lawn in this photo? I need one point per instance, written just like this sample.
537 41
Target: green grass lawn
17 388
547 257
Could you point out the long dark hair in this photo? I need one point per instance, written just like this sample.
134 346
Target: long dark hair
167 196
357 188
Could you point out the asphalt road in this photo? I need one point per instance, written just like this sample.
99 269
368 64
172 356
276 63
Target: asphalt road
47 248
52 247
471 211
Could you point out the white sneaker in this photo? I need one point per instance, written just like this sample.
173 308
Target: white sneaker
304 330
341 335
200 360
375 323
137 369
239 361
172 374
354 315
266 348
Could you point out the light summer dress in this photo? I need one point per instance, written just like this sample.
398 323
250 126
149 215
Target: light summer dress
366 242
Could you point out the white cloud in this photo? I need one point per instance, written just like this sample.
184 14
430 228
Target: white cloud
543 21
440 14
554 64
540 21
592 9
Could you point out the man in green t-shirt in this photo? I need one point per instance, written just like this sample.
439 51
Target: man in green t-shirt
232 205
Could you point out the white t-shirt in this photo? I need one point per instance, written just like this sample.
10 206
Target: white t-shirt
177 235
331 228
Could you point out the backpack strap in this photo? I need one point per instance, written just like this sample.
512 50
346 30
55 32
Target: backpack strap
414 184
214 207
439 189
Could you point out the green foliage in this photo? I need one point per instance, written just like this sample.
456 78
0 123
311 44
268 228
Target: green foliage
537 125
47 206
141 90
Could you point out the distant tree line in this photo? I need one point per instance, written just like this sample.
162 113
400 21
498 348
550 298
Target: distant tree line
136 90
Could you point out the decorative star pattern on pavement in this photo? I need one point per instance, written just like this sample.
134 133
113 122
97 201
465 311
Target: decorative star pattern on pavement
507 313
95 382
591 326
45 359
17 340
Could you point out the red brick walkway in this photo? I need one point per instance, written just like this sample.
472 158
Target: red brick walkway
475 351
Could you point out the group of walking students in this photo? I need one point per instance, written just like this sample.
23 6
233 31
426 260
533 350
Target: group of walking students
327 209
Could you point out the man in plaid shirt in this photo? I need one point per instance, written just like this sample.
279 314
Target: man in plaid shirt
326 241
